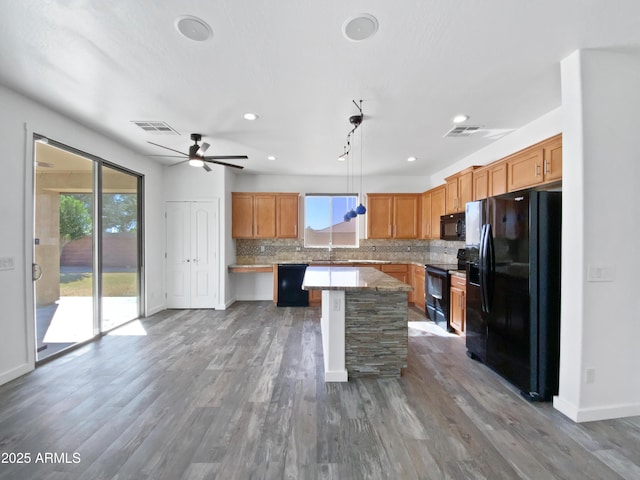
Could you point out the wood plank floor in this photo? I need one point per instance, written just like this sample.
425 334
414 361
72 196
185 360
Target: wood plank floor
239 394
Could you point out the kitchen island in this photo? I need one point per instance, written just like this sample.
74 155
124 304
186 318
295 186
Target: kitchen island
364 321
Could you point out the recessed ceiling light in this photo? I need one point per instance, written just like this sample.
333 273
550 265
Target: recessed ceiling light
460 118
271 157
360 27
250 116
193 28
411 159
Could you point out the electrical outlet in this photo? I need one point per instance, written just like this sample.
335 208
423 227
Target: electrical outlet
7 263
408 249
262 248
373 249
297 249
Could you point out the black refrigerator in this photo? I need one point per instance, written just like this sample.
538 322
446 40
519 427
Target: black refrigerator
513 288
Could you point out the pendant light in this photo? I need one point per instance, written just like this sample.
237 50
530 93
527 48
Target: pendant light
361 209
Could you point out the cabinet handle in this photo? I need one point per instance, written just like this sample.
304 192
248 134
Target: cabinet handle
547 167
389 230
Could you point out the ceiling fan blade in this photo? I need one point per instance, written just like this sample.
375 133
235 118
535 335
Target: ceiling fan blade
206 167
225 157
162 146
222 163
203 148
167 156
179 163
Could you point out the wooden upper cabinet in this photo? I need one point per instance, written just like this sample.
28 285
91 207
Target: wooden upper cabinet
540 163
490 180
393 215
481 183
287 215
264 218
379 216
425 217
242 215
497 178
438 208
459 190
405 212
524 169
432 208
264 215
552 156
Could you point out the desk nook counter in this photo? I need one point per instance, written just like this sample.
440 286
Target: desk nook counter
364 321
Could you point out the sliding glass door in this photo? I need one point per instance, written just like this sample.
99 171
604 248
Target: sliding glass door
120 256
86 247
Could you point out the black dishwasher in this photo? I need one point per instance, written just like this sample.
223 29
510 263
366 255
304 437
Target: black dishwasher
290 293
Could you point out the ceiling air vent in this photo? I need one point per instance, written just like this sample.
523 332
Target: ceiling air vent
462 131
156 128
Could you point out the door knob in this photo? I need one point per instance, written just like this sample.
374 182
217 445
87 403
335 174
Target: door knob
36 272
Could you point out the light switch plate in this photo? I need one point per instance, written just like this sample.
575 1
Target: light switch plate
7 263
601 273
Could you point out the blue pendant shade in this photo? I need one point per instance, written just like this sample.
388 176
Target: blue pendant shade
352 214
346 217
361 209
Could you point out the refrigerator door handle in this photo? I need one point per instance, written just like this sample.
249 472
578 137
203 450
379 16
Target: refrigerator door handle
483 268
491 269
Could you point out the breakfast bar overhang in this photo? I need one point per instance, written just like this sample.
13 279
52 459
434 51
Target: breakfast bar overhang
364 321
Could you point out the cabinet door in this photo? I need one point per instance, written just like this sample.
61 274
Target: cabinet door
418 285
480 184
465 190
287 215
457 305
405 216
498 179
525 169
380 216
552 153
425 217
241 215
264 216
437 210
451 189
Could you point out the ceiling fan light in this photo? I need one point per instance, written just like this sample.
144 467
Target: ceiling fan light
194 162
250 116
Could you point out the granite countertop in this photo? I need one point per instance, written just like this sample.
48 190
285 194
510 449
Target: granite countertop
330 262
351 278
458 273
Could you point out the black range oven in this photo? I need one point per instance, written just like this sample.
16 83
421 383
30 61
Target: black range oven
436 289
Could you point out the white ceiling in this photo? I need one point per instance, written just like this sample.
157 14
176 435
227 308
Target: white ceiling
109 63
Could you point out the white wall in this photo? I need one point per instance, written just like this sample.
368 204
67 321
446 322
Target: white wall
16 206
600 320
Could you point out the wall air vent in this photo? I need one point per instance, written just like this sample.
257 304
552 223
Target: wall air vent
462 131
155 127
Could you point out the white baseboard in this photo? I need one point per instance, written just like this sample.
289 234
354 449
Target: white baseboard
15 373
156 309
608 412
336 376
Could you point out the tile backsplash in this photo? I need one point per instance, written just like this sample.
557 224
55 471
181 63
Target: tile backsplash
258 252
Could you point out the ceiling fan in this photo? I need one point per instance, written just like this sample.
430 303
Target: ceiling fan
196 156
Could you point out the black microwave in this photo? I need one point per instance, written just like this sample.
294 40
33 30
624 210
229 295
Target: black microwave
452 226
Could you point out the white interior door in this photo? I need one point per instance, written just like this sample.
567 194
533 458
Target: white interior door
204 255
192 254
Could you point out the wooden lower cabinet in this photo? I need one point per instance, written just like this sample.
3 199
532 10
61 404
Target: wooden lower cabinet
399 271
315 298
417 282
458 301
